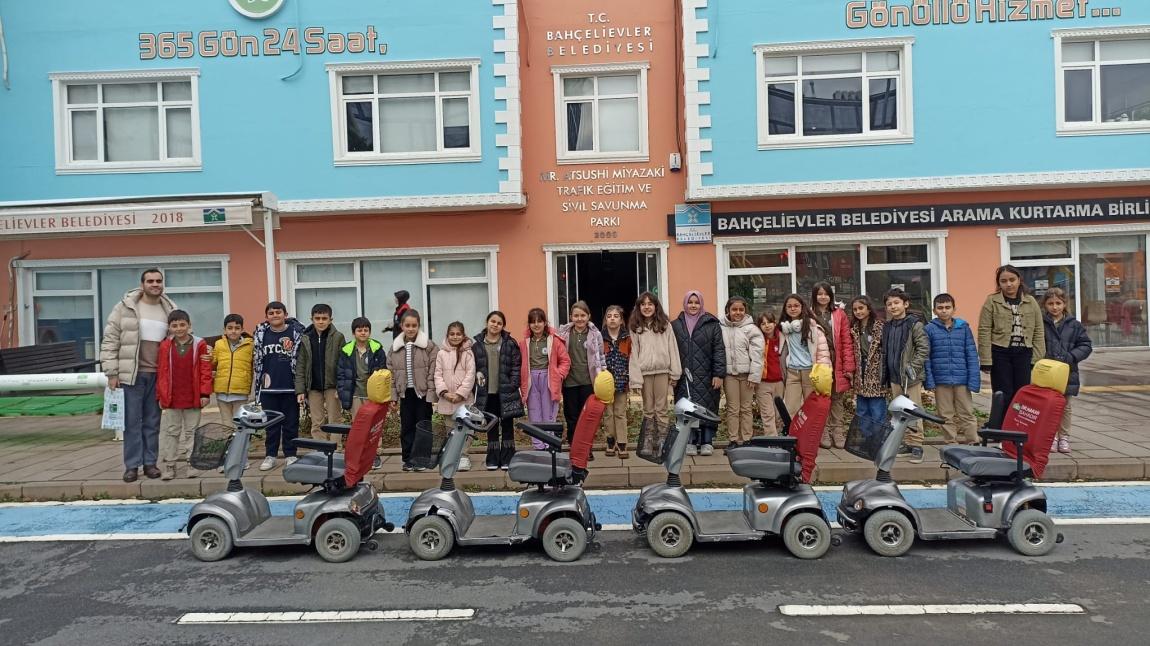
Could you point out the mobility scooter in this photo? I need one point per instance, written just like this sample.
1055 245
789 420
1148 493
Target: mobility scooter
991 499
777 502
335 518
555 510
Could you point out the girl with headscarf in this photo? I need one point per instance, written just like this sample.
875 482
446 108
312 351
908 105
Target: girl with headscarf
704 358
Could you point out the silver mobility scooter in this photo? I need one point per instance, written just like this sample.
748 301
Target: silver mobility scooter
337 522
775 503
992 498
555 510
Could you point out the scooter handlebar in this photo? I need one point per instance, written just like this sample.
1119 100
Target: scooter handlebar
489 422
273 417
922 414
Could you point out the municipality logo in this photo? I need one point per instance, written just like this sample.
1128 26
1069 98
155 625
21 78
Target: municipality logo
256 9
215 216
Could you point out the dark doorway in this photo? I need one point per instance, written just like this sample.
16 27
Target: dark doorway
604 278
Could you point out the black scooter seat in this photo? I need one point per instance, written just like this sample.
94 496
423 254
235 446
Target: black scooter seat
534 467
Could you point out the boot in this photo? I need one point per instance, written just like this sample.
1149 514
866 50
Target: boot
825 441
610 452
506 452
492 461
839 439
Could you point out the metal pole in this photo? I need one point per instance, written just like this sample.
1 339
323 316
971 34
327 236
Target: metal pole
270 255
61 381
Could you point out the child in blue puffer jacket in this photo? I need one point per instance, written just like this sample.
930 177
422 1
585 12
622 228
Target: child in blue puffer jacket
952 371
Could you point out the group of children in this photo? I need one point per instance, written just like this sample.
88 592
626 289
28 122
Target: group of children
698 355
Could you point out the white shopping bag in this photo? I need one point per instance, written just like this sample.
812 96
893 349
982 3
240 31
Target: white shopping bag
113 419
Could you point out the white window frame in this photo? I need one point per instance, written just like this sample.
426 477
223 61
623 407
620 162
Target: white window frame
564 156
935 242
340 155
61 118
1095 126
904 134
661 247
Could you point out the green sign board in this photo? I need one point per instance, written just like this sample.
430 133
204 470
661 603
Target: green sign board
256 8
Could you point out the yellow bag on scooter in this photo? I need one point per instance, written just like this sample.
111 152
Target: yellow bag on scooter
822 378
1051 374
379 386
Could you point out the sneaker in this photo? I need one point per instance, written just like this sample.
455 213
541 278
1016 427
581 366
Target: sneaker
290 460
169 473
916 455
692 449
464 463
420 468
1063 445
376 463
408 467
268 464
707 450
193 472
1054 445
904 450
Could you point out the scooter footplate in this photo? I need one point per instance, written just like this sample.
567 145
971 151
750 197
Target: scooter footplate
723 522
491 527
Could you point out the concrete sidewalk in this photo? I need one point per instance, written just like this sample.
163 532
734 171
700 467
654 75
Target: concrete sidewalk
62 458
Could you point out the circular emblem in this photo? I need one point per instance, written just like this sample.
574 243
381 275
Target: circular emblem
256 8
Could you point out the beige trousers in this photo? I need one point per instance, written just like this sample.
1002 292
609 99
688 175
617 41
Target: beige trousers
837 420
324 408
615 419
655 390
177 430
1064 425
797 389
228 411
914 431
956 405
739 392
765 393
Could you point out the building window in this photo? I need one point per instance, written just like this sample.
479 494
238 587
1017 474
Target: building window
1103 84
601 113
840 93
405 113
71 302
131 122
443 288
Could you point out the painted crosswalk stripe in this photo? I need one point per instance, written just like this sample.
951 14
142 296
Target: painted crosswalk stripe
329 616
933 609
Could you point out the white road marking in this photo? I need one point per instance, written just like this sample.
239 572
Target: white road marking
331 616
933 609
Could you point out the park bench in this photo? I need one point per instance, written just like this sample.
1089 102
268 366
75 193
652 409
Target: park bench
44 358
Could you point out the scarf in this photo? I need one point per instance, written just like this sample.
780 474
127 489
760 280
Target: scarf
692 320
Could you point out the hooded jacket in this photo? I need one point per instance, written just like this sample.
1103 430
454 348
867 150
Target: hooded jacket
509 368
558 364
1067 341
422 367
176 390
347 371
303 376
262 329
743 345
454 373
120 345
593 344
233 367
953 357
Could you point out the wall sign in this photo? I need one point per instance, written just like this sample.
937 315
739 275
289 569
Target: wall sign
598 37
256 9
110 219
919 13
939 215
692 223
229 43
604 195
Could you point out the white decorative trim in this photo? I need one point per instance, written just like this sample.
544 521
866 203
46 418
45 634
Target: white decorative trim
406 203
1102 32
693 72
661 245
824 45
603 68
357 254
377 67
120 261
735 242
511 161
1000 181
125 75
1066 231
839 141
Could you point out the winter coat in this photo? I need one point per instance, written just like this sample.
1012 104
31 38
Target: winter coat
703 355
422 367
869 380
510 365
816 345
120 345
454 373
912 361
617 358
258 360
743 345
1067 341
593 344
996 320
394 327
346 370
233 367
654 353
558 364
303 377
953 357
842 348
173 389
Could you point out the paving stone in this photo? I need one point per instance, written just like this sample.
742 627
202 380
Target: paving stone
11 492
1064 470
483 479
161 489
56 490
275 485
410 481
833 473
702 474
1110 469
608 477
215 485
643 476
113 489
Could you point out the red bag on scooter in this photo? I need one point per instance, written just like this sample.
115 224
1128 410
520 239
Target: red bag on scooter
362 443
1037 412
590 418
808 422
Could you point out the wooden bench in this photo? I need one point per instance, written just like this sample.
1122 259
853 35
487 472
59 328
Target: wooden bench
44 358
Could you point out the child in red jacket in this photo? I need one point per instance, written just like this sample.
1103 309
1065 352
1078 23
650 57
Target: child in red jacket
183 386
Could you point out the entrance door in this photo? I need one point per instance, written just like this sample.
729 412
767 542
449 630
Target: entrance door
603 278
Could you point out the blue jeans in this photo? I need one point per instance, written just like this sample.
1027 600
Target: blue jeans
872 407
141 422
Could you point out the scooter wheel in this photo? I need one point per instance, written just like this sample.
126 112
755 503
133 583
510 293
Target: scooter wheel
807 535
889 533
211 539
1032 533
337 540
431 538
670 534
564 540
372 545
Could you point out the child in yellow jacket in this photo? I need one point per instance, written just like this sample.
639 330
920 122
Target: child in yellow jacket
232 362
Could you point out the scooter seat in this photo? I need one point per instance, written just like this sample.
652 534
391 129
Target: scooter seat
982 461
762 462
311 469
534 467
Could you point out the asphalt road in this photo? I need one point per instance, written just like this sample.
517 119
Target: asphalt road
123 592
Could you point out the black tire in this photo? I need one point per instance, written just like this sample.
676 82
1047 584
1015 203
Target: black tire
1032 533
889 533
337 540
431 538
807 535
565 540
211 539
670 534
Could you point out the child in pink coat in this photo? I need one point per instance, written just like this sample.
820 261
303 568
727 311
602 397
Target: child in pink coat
455 376
545 366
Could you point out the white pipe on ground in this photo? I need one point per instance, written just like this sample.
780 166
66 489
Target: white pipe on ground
60 381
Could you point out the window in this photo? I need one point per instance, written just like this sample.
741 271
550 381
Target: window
130 122
404 113
601 113
71 301
1103 84
842 93
443 288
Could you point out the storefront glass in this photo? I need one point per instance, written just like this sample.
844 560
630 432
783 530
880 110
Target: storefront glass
1114 289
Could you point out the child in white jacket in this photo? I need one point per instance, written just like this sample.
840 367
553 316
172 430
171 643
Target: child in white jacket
743 341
